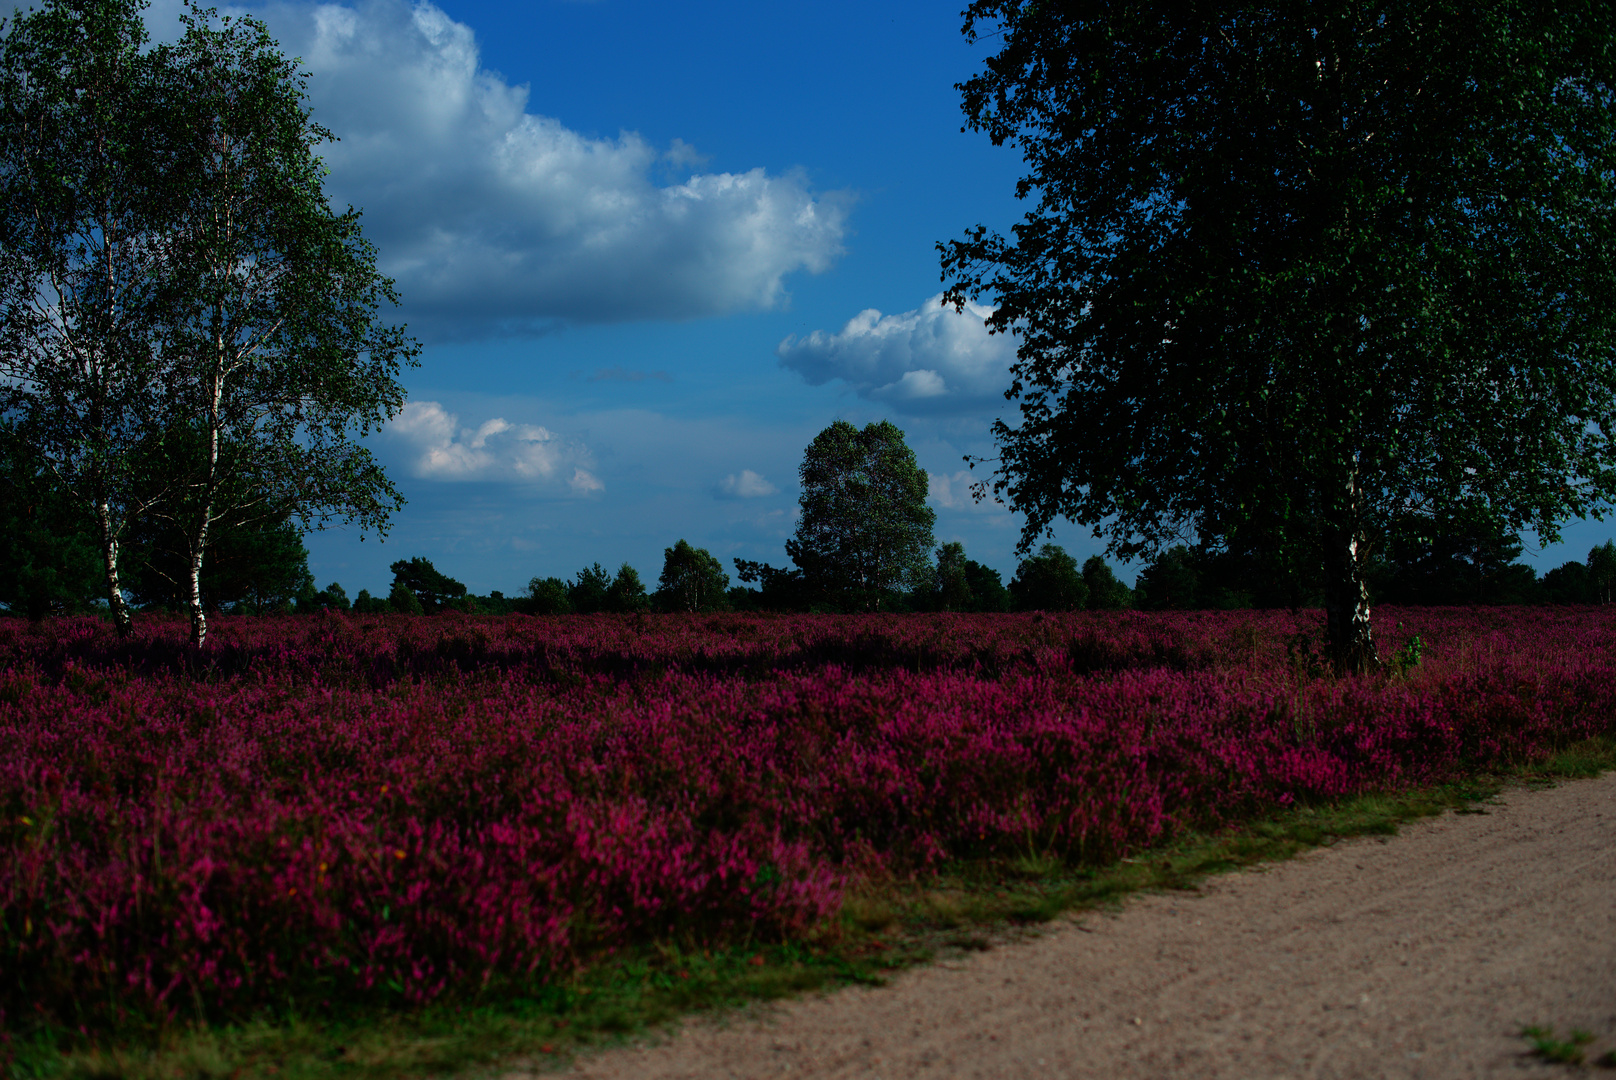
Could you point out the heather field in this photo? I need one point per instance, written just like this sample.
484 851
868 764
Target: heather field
404 810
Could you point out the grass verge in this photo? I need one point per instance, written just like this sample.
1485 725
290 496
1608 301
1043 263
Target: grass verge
883 928
1551 1048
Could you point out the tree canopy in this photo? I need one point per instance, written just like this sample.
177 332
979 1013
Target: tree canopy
49 558
1295 272
1049 581
953 582
865 529
1106 593
268 306
692 580
547 596
176 288
1602 572
81 254
626 594
588 591
433 590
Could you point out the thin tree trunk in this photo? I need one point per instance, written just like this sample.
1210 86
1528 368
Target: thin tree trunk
109 557
199 539
1346 602
193 582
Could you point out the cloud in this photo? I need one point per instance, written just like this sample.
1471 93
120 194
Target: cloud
927 362
583 482
954 493
745 484
496 220
497 450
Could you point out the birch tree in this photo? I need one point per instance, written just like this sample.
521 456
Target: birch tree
81 252
268 306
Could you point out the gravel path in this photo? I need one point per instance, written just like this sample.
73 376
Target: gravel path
1420 956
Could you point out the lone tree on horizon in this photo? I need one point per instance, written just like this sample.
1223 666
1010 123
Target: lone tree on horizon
1296 272
865 530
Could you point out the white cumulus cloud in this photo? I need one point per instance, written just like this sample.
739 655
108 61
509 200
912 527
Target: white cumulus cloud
495 219
929 361
954 492
439 448
745 484
583 482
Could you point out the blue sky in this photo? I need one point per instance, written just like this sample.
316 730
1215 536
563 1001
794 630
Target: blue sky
652 250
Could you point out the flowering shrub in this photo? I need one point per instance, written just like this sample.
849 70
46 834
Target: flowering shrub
403 807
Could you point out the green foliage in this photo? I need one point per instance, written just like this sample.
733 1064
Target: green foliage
1294 273
547 596
1184 579
255 569
692 580
1579 583
48 558
175 285
403 600
49 546
588 591
431 589
1451 562
1460 558
865 532
1566 584
1106 593
1410 655
1549 1047
1049 581
495 603
1602 572
1170 582
366 604
626 594
953 584
779 589
593 590
987 590
268 307
83 244
964 584
331 598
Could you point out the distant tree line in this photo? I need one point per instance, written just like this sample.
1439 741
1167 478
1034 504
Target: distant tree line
864 543
1449 564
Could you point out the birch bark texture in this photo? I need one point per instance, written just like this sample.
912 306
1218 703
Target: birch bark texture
190 332
81 251
1293 272
269 309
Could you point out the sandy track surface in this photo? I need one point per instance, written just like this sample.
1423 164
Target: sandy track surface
1418 956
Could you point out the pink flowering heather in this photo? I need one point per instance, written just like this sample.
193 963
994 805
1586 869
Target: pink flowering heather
402 807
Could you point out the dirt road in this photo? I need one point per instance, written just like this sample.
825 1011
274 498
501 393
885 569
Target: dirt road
1421 956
